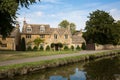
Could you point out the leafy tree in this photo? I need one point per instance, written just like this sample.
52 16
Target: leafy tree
83 46
37 41
23 44
66 24
100 28
72 48
29 48
35 48
41 48
8 9
48 48
72 28
78 48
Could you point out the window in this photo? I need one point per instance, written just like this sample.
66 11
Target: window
28 36
3 45
66 36
29 29
42 36
55 36
42 28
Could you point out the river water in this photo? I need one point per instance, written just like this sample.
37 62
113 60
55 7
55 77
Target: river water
100 69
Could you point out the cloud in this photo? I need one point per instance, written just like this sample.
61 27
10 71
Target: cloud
39 13
115 13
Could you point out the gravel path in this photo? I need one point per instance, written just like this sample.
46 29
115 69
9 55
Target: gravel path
34 59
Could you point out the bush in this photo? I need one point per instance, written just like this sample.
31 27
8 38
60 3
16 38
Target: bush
72 47
52 45
41 48
66 48
29 48
83 46
35 48
48 48
78 48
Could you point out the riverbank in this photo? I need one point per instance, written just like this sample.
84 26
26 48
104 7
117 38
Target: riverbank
25 68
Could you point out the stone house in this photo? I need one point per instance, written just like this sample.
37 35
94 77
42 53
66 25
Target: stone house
12 41
43 31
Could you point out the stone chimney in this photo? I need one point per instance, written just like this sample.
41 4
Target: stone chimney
17 25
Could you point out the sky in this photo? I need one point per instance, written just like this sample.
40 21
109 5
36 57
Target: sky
52 12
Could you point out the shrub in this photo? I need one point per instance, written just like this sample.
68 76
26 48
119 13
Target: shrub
72 47
52 45
29 48
48 48
78 48
66 48
41 48
83 46
35 48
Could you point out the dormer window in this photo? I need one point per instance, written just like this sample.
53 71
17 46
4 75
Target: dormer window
66 36
42 28
29 29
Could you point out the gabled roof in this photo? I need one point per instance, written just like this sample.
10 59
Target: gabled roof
60 31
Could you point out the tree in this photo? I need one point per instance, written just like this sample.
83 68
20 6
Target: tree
37 41
66 24
72 28
100 28
23 44
8 9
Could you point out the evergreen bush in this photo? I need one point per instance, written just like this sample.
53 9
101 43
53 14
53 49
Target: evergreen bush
72 47
66 48
41 48
48 48
35 48
78 48
29 48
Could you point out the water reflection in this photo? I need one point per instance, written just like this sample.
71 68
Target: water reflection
105 69
78 75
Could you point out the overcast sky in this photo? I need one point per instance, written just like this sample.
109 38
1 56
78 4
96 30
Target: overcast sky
54 11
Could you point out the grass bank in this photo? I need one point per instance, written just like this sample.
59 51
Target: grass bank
11 55
24 68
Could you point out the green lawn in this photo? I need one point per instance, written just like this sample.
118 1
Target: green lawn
10 55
